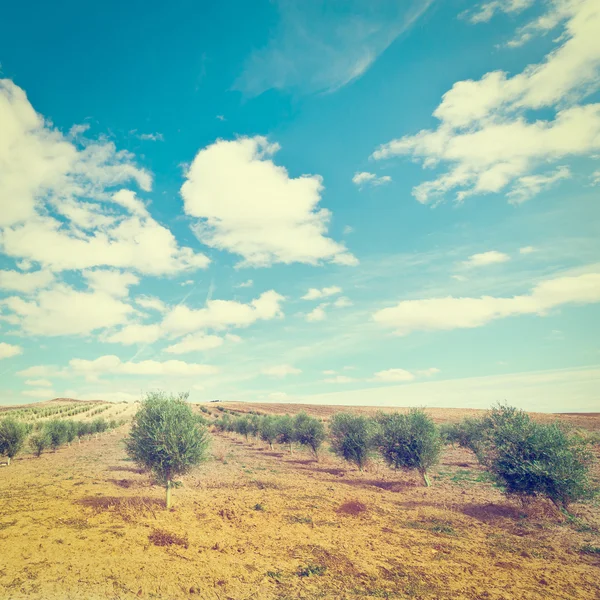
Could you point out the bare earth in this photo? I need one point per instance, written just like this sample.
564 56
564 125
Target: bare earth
255 523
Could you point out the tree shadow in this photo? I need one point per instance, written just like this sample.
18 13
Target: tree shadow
119 468
388 486
126 507
488 513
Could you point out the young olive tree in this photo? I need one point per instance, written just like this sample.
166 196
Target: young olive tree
537 460
351 437
267 429
285 431
38 442
409 441
56 430
12 437
309 431
167 439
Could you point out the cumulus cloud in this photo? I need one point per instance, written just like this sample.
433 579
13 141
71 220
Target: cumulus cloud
343 302
490 138
317 314
151 303
245 284
527 250
111 364
393 375
63 310
135 333
113 283
314 293
249 206
492 257
363 178
102 224
281 371
25 282
455 313
8 350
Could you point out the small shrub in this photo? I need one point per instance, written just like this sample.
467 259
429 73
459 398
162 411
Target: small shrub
56 430
309 432
12 437
409 441
351 437
311 570
468 433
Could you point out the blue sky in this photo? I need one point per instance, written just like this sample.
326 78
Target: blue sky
389 203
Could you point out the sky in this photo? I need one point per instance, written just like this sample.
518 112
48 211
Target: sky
378 202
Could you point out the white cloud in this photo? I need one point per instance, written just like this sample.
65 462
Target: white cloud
113 283
487 139
339 379
329 372
343 302
455 313
393 375
528 186
38 382
317 314
152 137
111 364
364 178
151 303
195 342
63 310
430 372
245 284
221 314
596 177
316 48
314 293
135 333
527 250
25 282
486 10
281 371
9 350
40 371
39 393
249 206
42 171
492 257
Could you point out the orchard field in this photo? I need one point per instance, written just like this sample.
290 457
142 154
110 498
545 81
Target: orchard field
254 522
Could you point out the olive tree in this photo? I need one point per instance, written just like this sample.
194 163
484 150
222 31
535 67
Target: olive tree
309 431
39 442
12 437
285 431
531 459
267 429
56 430
409 441
166 438
351 437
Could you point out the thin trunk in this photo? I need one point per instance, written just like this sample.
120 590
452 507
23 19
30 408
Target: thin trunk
291 448
8 464
426 479
271 445
168 494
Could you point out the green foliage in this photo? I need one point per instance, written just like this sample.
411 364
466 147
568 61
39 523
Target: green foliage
533 459
38 442
12 437
267 429
311 570
351 437
468 433
285 429
309 431
409 441
166 437
56 430
242 426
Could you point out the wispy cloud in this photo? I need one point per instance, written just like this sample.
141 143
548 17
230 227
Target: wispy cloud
323 46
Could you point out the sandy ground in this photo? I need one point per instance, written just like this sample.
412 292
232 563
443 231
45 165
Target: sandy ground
84 523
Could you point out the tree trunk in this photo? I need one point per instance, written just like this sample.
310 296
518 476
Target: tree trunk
8 464
291 448
426 479
168 502
271 445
